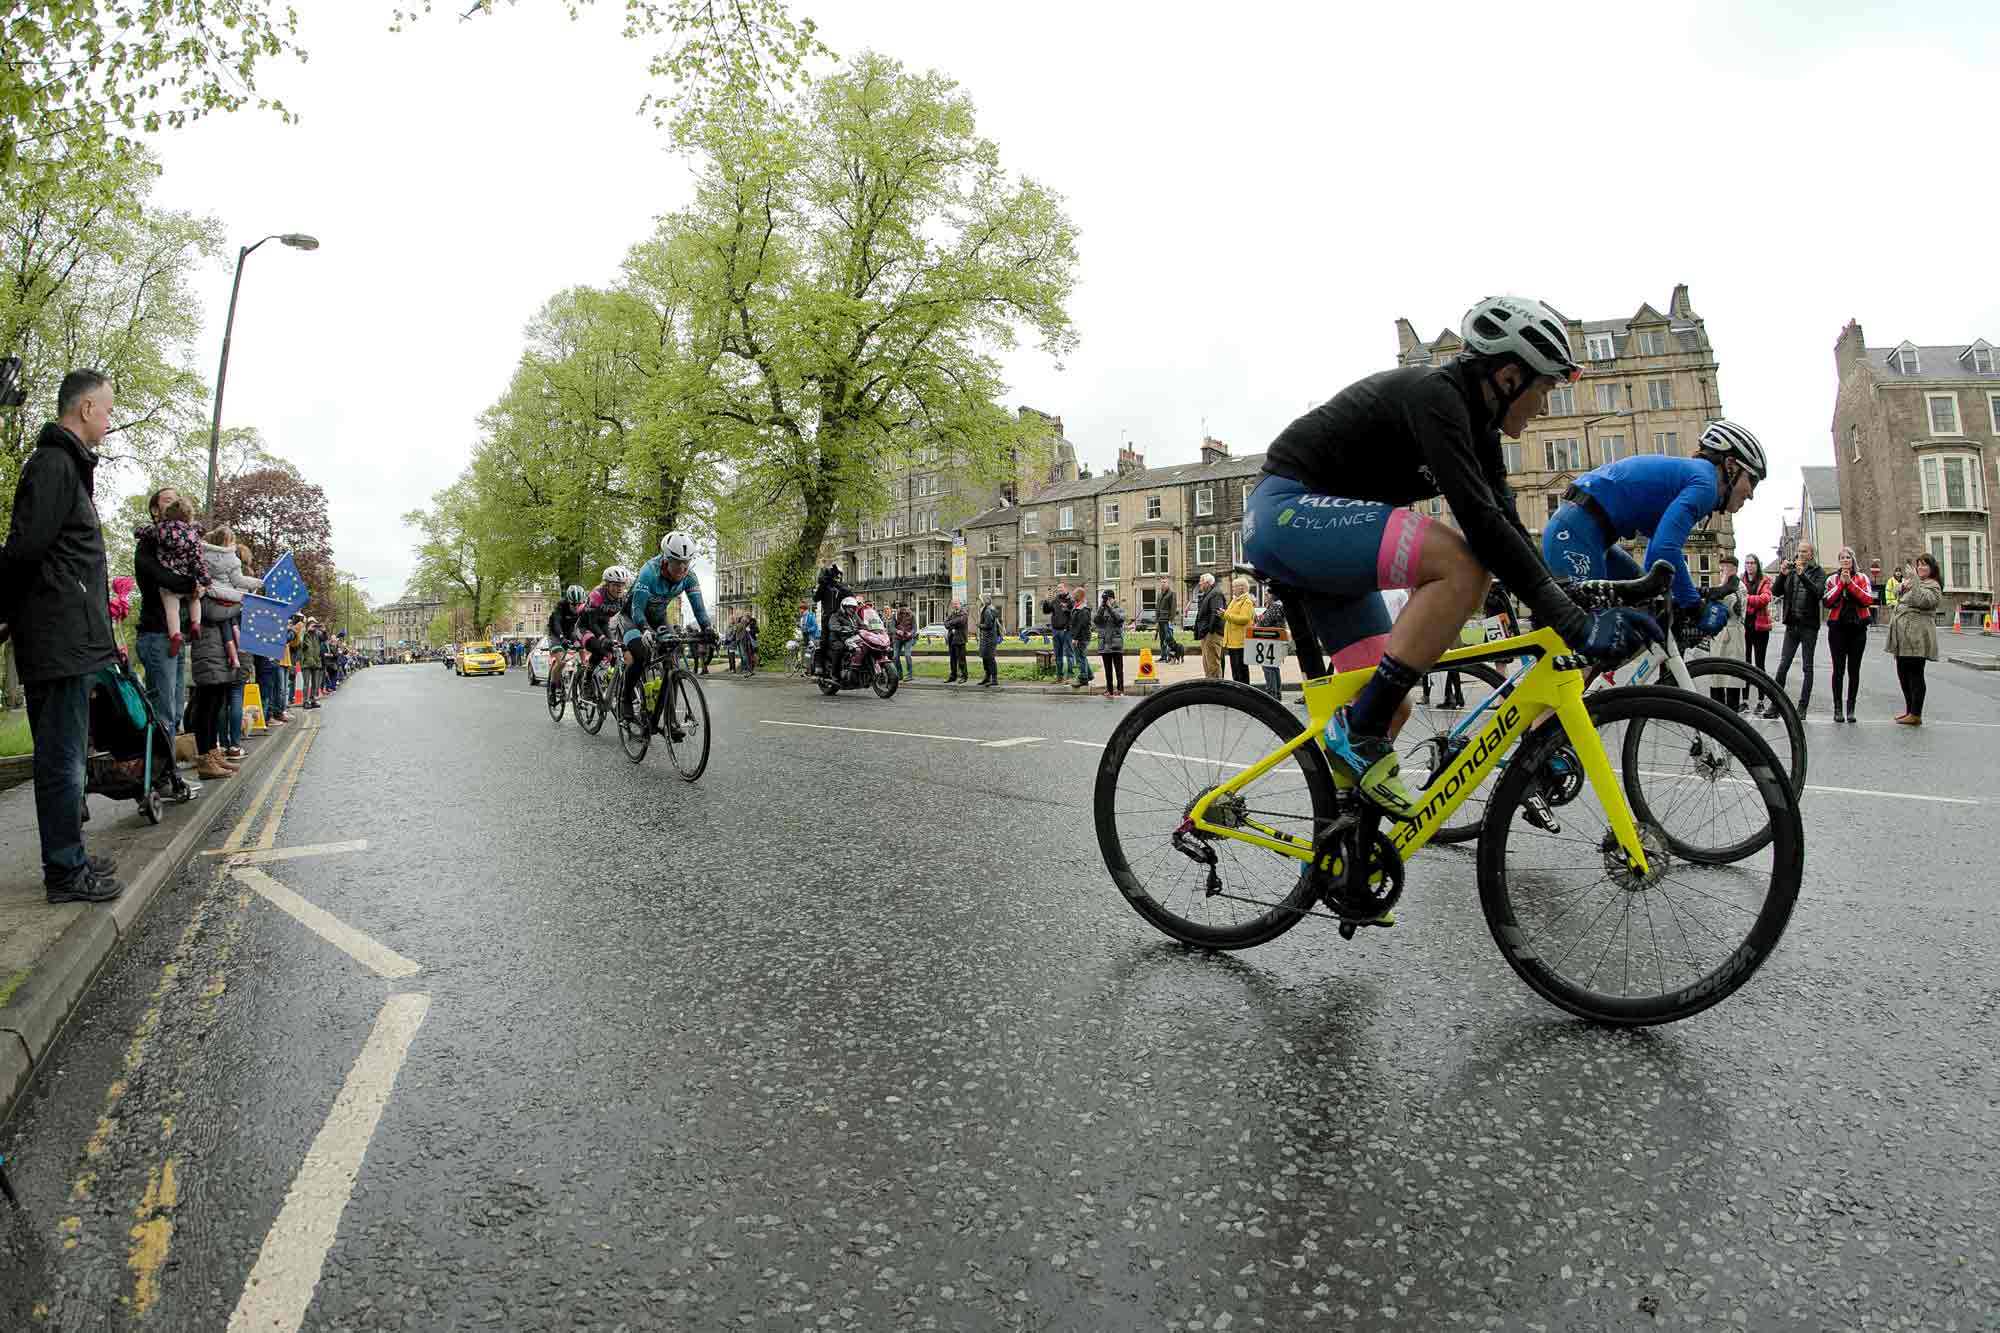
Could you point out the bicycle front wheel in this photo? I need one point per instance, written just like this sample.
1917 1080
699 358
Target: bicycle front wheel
556 696
1764 707
1167 753
683 717
1615 947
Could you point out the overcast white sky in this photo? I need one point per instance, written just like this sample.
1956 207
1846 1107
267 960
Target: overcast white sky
1261 189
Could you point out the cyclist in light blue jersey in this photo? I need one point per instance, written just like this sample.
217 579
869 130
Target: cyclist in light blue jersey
662 579
1661 498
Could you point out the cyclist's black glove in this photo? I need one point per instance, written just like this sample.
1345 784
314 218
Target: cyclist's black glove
1613 634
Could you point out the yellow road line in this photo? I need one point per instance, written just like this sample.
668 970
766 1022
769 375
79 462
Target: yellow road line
270 833
242 829
153 1234
261 856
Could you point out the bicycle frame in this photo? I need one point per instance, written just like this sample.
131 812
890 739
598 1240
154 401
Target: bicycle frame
1552 684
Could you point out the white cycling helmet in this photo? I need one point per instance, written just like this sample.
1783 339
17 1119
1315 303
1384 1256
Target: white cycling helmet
677 545
617 574
1520 327
574 594
850 601
1729 439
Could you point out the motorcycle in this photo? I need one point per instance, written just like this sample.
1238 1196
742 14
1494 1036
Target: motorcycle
869 660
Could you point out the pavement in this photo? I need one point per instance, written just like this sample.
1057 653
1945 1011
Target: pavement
489 1027
50 953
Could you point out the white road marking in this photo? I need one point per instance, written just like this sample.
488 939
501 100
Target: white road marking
875 731
377 957
261 855
1164 754
280 1286
1832 791
1011 740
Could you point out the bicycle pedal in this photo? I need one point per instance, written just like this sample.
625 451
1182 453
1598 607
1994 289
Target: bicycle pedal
1535 811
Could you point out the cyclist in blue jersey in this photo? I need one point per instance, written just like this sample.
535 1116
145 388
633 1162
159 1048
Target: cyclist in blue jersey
1660 497
662 579
1329 519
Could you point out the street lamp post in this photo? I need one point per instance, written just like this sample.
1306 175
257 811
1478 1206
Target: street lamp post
351 580
298 241
1608 416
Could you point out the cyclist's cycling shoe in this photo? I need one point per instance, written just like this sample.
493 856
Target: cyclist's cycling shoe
1371 761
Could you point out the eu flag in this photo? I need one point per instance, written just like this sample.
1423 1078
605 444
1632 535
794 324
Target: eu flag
283 584
263 630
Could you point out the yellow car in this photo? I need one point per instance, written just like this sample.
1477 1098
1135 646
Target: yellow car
481 659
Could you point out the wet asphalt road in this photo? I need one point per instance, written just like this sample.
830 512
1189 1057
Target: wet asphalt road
855 1033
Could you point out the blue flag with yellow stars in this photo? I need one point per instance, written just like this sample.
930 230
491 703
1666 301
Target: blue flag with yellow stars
263 631
283 584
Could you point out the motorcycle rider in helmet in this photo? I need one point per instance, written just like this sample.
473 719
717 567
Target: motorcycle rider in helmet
846 623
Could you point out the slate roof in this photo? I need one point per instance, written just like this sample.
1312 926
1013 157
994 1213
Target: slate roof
1936 363
1687 336
1822 488
1180 474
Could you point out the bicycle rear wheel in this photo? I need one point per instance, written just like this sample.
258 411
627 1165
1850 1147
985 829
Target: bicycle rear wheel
636 733
683 717
591 694
1426 745
1167 753
1591 937
1764 708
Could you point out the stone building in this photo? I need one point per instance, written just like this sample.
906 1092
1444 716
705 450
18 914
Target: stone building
901 550
1916 438
1648 386
521 613
1819 513
408 620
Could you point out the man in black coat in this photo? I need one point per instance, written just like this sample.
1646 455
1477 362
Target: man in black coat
55 593
1798 594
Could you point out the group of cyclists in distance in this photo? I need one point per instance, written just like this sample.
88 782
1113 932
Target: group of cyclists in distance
1331 516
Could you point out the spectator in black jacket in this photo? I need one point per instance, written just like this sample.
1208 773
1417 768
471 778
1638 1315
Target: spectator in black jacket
1208 626
1797 592
55 595
165 678
1079 637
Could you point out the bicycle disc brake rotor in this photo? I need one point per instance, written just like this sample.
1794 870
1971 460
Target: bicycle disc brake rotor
1620 873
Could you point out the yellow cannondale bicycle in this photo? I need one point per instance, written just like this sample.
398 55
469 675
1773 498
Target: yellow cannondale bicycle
1630 891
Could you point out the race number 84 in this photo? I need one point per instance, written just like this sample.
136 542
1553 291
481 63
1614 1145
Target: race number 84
1267 647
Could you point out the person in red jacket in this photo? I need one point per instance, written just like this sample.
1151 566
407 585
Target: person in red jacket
1756 611
1848 597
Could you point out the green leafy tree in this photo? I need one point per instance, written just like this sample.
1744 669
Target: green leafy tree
274 510
867 261
93 277
459 559
79 75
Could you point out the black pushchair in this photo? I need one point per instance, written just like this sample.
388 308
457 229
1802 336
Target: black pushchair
132 756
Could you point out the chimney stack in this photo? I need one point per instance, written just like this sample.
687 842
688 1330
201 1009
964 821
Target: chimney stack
1849 348
1213 451
1130 460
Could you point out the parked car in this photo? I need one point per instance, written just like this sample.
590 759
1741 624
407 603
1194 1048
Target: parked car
931 632
1036 632
538 660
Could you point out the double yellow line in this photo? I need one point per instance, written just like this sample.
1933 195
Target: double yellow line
288 767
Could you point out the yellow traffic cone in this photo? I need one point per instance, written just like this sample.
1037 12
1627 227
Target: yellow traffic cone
1147 671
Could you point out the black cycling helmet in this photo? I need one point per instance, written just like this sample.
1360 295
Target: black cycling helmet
574 594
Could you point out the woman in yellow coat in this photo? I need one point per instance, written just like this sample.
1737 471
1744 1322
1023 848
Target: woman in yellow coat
1236 618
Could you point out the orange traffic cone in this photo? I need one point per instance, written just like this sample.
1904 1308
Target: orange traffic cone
1956 627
